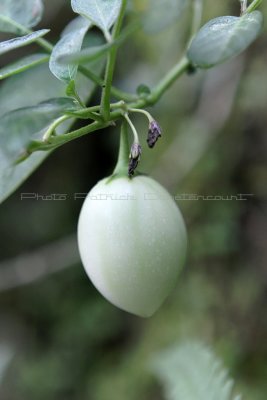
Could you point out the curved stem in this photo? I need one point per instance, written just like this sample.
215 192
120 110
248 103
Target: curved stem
53 126
123 158
135 134
117 93
140 111
168 80
105 99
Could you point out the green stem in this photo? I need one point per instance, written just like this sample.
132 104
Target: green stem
62 139
255 4
53 126
197 17
117 93
146 113
123 158
105 100
168 80
135 134
153 98
47 46
119 109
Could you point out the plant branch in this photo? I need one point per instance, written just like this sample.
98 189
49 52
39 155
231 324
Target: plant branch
135 134
197 17
53 126
117 93
167 81
123 158
119 109
255 4
106 92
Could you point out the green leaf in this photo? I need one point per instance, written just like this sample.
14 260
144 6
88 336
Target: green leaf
223 38
192 372
15 43
21 126
71 42
23 64
102 13
28 89
71 91
16 13
159 14
93 53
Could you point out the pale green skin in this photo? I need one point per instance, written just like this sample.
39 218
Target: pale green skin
132 249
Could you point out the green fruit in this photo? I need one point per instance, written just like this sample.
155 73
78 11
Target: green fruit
132 241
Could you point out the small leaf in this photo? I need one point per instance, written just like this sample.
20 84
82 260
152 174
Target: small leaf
223 38
15 43
159 14
192 372
71 91
71 42
23 64
102 13
14 13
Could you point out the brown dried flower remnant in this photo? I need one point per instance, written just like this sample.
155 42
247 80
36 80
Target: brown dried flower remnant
135 154
154 132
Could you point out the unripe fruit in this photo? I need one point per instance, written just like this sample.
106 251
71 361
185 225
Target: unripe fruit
132 242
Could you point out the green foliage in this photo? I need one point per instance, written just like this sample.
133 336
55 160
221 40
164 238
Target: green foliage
101 13
15 43
16 15
71 42
68 342
22 126
77 50
223 38
191 371
46 87
23 64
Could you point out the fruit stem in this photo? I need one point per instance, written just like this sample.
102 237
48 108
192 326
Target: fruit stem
123 157
134 131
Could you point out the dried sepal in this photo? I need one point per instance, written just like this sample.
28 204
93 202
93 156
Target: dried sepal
135 154
154 133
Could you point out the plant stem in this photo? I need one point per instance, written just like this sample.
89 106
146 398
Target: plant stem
155 95
47 46
117 93
123 158
62 139
53 126
197 16
168 80
106 92
255 4
243 6
135 134
146 113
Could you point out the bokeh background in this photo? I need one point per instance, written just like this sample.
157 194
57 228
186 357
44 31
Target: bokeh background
59 339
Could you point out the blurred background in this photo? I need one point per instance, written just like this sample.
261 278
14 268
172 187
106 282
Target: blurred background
59 338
